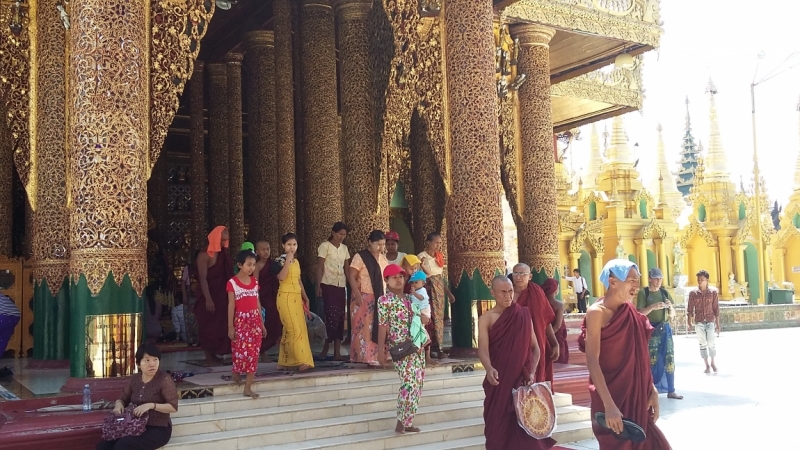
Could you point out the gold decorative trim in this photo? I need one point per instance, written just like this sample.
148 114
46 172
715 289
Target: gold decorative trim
636 21
620 86
696 227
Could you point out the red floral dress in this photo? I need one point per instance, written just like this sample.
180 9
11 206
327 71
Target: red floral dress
247 323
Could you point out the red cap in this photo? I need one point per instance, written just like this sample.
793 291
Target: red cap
392 236
392 270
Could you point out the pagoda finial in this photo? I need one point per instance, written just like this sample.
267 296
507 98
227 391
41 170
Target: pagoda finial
595 165
688 118
662 198
665 185
716 163
619 153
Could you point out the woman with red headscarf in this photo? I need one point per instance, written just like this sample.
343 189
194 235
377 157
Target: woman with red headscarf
550 288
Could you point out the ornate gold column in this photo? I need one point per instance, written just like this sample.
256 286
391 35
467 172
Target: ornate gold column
662 261
197 168
538 233
597 267
259 66
740 271
724 266
363 212
323 194
108 105
6 191
50 245
218 184
233 61
284 116
474 214
641 247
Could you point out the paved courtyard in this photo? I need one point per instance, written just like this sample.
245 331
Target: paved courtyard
750 404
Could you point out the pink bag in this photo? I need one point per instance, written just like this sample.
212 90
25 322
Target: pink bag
127 424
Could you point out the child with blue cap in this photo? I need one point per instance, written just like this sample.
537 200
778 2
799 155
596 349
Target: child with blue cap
419 297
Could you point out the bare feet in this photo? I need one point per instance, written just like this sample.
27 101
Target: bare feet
236 378
249 393
431 362
265 359
412 430
340 358
304 368
675 396
708 369
400 429
714 367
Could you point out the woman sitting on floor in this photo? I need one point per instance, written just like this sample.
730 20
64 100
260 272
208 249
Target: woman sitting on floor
153 392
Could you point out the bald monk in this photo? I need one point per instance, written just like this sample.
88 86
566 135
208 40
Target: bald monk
615 337
509 351
266 273
550 288
531 295
214 269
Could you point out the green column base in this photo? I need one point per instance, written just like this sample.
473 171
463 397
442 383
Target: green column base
51 326
473 298
112 299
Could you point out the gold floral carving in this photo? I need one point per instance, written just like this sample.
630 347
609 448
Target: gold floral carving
218 185
428 197
51 221
538 230
593 233
652 230
284 116
15 87
233 64
510 154
628 20
197 168
108 104
259 66
323 194
694 228
622 86
6 190
474 216
177 29
366 196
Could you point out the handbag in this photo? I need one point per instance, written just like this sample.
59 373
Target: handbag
126 424
405 348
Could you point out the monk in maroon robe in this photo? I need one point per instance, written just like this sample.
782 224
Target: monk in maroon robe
550 288
615 337
509 351
266 273
532 296
214 269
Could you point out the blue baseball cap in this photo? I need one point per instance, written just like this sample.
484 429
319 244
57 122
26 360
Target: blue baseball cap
655 272
418 276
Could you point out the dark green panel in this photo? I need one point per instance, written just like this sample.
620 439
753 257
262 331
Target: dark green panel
651 261
51 321
751 274
701 213
585 264
468 293
592 210
112 299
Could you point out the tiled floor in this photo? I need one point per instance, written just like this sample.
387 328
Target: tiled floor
749 404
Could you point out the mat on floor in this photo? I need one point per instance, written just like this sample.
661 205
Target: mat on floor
202 363
6 394
172 347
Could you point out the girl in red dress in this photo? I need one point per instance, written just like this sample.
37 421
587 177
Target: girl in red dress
245 328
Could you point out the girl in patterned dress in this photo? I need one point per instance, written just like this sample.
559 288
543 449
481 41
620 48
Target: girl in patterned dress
394 326
245 328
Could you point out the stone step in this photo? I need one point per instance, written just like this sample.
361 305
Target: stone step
460 434
274 397
250 435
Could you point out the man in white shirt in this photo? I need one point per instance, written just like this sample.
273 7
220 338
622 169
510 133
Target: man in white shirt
580 288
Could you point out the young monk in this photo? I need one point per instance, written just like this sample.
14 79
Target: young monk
531 295
550 288
245 328
615 337
508 349
214 269
265 273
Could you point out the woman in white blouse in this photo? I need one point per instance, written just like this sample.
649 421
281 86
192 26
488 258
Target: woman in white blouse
433 264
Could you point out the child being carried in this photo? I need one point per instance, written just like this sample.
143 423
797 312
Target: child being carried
420 298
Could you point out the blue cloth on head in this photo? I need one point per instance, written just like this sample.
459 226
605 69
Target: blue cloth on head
619 267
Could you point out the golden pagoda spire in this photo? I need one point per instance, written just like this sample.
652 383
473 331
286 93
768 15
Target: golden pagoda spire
595 166
797 164
665 184
716 163
619 153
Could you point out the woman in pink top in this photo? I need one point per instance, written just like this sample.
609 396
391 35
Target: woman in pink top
366 280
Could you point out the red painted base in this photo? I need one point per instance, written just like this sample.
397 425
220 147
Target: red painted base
75 385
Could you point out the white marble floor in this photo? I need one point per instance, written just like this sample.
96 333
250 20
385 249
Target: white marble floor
751 403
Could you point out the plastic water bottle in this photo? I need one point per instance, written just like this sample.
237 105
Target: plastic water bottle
87 398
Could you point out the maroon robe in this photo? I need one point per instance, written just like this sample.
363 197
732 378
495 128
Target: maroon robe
268 294
563 346
510 353
625 362
213 327
542 314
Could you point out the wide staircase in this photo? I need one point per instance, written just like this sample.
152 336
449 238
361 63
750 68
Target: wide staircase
350 411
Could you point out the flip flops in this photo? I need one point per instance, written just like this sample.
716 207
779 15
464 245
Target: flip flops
630 430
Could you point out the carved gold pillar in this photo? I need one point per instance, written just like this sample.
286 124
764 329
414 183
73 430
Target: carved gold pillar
724 266
641 247
427 191
233 61
259 66
108 105
740 271
474 214
362 211
218 184
284 116
597 267
6 191
323 194
197 160
662 262
538 233
50 245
